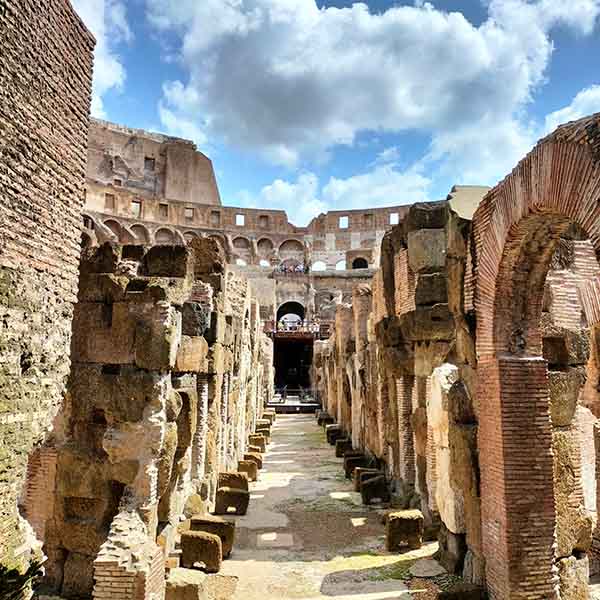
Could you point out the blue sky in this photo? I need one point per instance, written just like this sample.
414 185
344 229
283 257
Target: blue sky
312 105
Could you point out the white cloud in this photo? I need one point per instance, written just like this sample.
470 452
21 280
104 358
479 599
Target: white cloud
383 186
107 20
388 155
291 81
586 102
304 198
181 127
299 199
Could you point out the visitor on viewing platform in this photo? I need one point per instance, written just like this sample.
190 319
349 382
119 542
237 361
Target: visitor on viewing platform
299 268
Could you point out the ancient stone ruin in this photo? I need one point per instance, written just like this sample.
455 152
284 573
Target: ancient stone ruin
467 371
150 338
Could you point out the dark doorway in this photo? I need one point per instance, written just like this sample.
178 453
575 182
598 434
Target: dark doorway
360 263
293 358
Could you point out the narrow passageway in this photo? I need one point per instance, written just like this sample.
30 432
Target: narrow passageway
307 535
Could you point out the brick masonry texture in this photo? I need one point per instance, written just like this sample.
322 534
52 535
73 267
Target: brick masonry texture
45 89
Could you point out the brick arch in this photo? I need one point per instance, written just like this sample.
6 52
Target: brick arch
560 180
242 243
515 231
165 236
291 246
265 246
141 233
115 227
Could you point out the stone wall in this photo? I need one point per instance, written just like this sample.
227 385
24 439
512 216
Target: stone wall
167 382
45 88
477 396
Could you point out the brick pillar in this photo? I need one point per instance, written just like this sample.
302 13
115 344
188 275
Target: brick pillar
404 386
200 437
594 553
517 489
223 421
38 501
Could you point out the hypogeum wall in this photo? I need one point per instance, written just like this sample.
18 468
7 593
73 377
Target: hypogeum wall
405 378
167 381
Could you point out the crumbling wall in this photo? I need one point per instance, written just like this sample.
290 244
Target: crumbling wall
45 87
413 361
165 386
483 330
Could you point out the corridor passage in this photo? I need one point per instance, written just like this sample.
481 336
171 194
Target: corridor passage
307 535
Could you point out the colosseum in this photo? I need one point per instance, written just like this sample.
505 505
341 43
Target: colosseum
207 402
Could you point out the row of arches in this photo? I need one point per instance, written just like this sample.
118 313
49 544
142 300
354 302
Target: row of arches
265 246
342 265
291 252
95 231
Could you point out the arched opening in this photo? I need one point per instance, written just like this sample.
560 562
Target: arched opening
292 250
243 250
319 265
340 265
164 237
540 366
265 246
293 310
141 234
241 243
360 263
293 350
532 356
114 227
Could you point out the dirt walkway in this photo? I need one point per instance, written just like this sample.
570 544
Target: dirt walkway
307 535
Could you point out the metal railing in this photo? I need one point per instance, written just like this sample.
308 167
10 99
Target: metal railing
319 329
301 395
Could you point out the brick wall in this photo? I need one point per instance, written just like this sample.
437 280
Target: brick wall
45 87
518 517
405 284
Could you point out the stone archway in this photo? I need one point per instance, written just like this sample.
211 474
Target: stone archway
164 236
291 308
515 232
360 263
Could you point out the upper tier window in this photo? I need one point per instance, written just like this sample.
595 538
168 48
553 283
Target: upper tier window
136 208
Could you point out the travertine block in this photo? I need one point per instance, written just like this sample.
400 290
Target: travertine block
404 529
217 526
201 547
